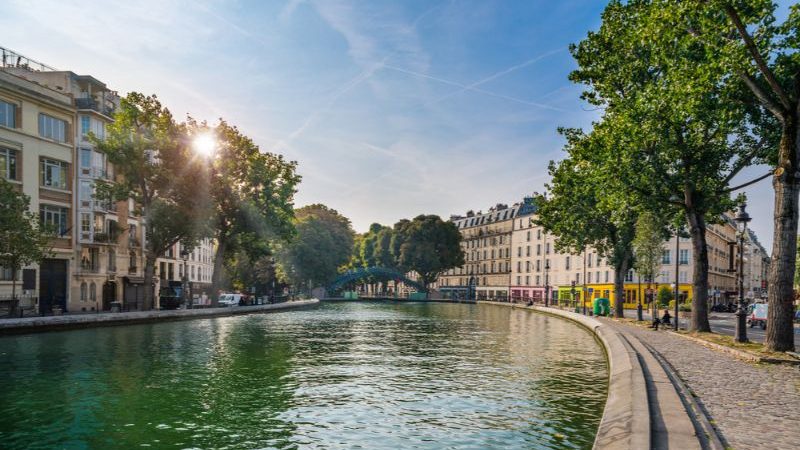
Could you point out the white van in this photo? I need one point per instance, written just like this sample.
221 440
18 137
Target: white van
229 299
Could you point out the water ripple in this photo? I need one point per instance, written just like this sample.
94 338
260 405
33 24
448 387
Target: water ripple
343 376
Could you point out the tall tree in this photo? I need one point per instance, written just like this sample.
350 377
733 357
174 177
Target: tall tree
750 50
648 248
23 240
427 245
323 244
681 133
252 195
156 168
586 206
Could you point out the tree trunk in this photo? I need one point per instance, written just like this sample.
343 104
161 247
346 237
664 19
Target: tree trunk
620 271
149 273
219 260
697 229
780 332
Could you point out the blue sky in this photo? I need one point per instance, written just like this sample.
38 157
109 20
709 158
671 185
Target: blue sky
391 108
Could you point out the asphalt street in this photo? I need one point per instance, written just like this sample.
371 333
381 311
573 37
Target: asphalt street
725 323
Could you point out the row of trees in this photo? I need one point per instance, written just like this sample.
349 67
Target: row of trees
239 196
691 93
426 245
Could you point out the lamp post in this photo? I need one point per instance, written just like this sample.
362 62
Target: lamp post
583 290
574 298
185 278
678 231
639 299
546 282
741 314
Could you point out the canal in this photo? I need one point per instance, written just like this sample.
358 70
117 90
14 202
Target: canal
343 375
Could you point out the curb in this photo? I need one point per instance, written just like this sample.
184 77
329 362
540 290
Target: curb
626 417
69 322
736 353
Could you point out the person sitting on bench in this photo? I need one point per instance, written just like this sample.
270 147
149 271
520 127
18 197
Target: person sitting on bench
666 318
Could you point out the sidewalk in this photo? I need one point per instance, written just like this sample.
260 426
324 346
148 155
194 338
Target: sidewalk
70 321
752 406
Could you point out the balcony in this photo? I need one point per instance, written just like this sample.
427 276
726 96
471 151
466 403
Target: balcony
94 105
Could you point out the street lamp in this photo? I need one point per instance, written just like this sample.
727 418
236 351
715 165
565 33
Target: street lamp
185 278
741 314
678 231
574 298
546 282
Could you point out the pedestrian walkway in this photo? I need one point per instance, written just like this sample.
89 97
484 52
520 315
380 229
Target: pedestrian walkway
752 406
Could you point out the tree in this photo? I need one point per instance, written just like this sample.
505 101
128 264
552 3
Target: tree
252 196
682 135
748 49
323 244
23 240
648 248
156 168
427 245
586 206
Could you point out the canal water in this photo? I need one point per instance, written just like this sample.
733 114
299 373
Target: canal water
341 376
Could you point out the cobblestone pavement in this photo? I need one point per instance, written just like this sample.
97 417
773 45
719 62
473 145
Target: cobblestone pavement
754 406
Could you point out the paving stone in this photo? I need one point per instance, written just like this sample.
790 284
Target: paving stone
754 406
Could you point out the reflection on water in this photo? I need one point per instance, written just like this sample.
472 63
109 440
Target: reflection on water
347 375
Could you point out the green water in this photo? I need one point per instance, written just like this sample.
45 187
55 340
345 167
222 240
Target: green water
341 376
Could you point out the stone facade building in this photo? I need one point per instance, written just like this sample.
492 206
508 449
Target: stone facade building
537 271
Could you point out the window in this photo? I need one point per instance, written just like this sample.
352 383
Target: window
8 164
683 277
528 250
538 280
54 174
93 292
577 278
112 260
519 266
55 217
519 280
86 158
85 126
665 257
684 257
7 274
52 128
85 191
567 263
539 233
8 114
547 248
527 280
86 222
519 251
527 266
538 249
589 277
538 266
589 260
84 292
528 238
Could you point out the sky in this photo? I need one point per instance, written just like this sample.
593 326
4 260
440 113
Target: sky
391 108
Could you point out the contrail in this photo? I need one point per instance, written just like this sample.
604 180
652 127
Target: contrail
466 87
496 76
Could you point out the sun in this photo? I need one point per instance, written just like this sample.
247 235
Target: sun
204 144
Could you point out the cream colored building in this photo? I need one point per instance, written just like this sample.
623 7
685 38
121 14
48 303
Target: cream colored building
537 270
198 262
37 154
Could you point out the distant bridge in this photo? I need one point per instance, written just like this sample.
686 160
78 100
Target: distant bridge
381 273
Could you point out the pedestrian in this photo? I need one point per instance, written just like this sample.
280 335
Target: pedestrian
666 318
656 322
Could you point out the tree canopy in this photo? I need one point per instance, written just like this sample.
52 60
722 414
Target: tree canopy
427 245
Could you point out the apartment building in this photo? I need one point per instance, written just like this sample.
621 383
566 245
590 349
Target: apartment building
198 265
537 271
37 154
487 248
756 267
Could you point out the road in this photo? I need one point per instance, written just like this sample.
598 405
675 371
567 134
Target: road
725 323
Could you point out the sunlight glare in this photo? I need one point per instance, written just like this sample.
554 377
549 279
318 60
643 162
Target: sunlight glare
204 144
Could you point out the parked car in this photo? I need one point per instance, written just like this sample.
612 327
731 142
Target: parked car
230 299
757 315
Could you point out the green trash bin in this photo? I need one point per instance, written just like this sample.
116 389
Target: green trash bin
601 306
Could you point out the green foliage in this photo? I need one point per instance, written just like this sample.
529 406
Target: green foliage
156 168
251 196
22 239
648 245
322 245
665 296
426 245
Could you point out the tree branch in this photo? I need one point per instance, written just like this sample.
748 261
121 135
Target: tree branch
744 185
759 60
744 161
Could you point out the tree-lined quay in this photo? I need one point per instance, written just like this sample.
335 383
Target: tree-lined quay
112 209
